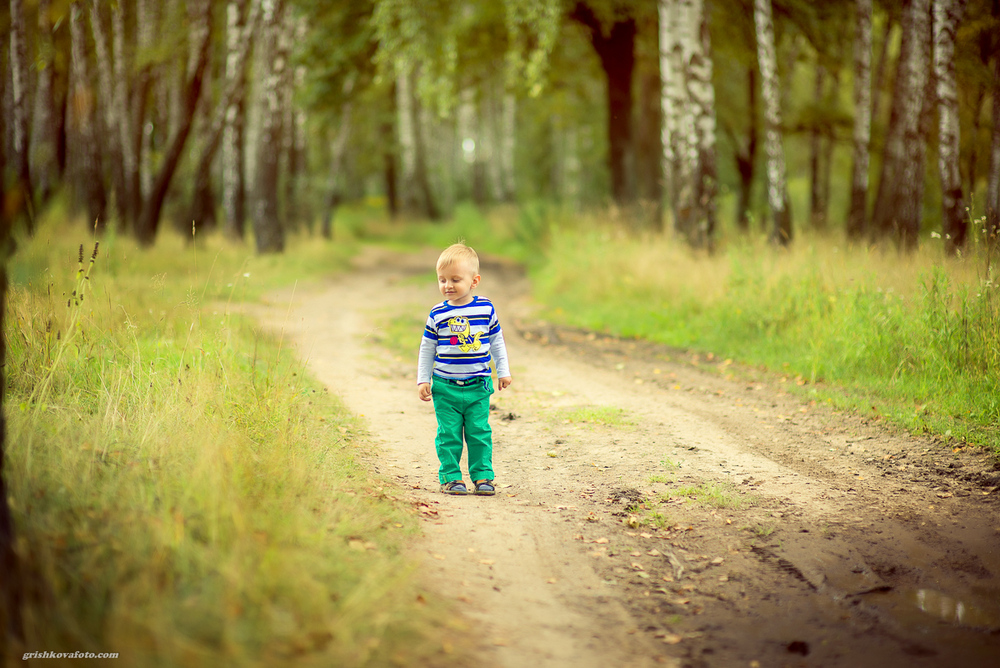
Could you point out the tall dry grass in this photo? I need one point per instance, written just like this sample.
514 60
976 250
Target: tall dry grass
184 494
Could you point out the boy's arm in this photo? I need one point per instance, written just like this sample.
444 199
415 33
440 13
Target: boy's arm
498 350
425 366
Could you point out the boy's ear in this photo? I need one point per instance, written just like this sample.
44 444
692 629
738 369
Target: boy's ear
475 280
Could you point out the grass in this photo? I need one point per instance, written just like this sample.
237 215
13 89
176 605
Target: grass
911 338
603 416
183 492
717 495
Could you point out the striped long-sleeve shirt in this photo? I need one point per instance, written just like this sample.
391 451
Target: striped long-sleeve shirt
460 341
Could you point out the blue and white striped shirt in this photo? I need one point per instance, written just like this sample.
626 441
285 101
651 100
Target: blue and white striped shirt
460 341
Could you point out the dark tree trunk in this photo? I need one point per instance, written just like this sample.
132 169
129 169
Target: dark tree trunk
616 51
993 178
817 202
149 219
11 593
746 160
649 137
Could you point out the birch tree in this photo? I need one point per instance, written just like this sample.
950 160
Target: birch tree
993 180
19 92
83 157
857 218
200 34
269 230
223 118
947 16
233 146
777 187
898 205
688 118
44 136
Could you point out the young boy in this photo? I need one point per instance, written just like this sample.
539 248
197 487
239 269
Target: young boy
461 337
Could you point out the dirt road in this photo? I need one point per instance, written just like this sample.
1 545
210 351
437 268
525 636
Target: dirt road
655 508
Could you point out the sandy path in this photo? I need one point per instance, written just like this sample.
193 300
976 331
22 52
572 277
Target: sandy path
591 555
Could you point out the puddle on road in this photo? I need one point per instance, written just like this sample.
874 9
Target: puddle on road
952 610
930 604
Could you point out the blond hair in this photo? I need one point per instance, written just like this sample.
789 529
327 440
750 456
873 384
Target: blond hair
456 253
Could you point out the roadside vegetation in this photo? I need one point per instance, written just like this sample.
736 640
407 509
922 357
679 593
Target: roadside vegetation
184 494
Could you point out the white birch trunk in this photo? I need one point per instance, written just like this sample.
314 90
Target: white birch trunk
857 221
688 106
777 188
19 90
947 16
405 127
268 229
127 135
148 23
508 143
233 185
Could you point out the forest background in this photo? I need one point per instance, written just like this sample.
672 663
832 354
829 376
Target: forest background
809 189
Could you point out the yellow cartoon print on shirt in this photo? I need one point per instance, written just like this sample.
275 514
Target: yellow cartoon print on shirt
462 335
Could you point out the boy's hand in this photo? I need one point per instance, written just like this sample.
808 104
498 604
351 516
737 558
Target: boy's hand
504 382
424 391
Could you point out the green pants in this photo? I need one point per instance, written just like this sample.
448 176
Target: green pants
463 410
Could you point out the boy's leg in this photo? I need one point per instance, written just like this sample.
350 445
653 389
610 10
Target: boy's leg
479 434
448 442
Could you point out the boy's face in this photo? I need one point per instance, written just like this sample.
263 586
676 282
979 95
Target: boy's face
456 282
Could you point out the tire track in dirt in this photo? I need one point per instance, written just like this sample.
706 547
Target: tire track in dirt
842 535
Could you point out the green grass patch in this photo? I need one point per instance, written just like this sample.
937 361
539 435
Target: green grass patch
717 495
602 416
915 339
183 492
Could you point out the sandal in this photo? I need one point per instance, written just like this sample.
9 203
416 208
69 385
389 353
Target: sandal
456 487
485 488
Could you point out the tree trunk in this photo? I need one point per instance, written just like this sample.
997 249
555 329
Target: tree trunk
993 179
947 16
233 146
85 158
616 51
128 130
689 118
817 202
406 134
508 143
20 125
223 119
857 218
746 160
109 129
11 586
200 34
269 230
44 140
777 187
334 187
898 206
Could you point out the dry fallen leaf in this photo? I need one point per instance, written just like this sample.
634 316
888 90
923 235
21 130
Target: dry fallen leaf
672 639
486 562
601 541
